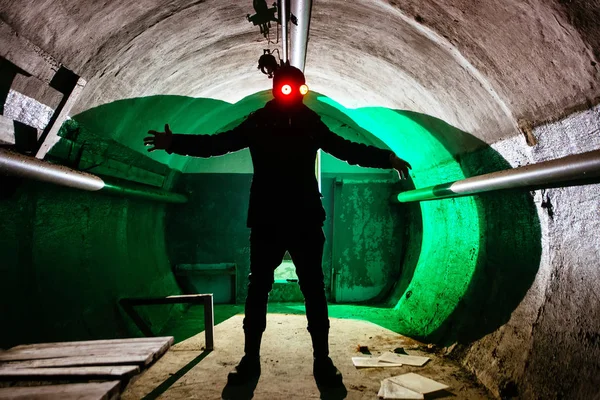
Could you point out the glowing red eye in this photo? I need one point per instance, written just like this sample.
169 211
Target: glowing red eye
286 89
303 90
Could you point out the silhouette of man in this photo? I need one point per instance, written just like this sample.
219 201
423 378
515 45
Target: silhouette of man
285 210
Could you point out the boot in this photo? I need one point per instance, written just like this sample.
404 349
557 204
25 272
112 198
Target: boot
325 373
249 367
245 372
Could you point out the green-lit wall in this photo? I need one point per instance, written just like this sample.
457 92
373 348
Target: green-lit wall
456 268
68 256
211 228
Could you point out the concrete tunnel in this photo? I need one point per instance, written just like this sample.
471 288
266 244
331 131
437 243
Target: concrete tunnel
458 89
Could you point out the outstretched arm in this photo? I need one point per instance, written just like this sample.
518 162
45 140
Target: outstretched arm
199 145
362 154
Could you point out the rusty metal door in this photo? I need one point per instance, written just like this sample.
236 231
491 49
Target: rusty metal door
367 240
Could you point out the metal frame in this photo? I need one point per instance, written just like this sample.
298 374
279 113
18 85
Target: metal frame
128 305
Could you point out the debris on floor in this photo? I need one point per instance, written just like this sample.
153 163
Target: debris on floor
390 390
372 362
409 386
415 361
388 359
363 349
186 372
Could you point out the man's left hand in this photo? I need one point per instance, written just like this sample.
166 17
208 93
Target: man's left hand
400 165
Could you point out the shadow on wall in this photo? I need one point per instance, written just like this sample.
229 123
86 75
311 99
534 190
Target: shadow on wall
473 259
509 241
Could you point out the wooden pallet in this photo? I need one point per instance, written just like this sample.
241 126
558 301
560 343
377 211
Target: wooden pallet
113 361
93 391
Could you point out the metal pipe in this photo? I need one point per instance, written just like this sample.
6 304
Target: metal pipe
16 164
143 192
283 19
570 168
32 168
299 34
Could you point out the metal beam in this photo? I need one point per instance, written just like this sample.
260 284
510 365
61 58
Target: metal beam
205 299
576 167
299 34
16 164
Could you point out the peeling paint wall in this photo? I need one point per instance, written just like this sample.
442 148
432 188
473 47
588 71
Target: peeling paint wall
550 347
68 256
368 239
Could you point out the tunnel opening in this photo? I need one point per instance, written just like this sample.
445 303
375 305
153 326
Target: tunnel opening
520 77
436 259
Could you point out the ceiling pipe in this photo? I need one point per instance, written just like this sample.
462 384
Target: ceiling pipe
573 168
284 14
16 164
299 33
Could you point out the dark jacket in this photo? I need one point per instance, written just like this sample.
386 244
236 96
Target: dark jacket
283 145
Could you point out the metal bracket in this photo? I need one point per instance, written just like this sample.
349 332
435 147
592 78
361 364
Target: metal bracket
206 299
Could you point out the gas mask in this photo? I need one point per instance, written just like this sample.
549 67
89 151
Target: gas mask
289 86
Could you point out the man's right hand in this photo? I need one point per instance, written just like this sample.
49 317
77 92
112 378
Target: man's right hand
159 140
400 165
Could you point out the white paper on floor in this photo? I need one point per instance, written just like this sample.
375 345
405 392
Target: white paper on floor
415 361
368 362
418 383
391 391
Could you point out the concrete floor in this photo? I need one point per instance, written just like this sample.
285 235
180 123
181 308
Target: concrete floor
186 372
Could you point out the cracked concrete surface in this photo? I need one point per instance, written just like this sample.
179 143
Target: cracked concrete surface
472 64
485 67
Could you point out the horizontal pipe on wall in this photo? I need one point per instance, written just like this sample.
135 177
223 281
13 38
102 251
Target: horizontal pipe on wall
16 164
570 168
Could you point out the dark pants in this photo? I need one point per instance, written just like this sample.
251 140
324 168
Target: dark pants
267 248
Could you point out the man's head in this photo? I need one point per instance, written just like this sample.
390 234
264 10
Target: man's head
289 86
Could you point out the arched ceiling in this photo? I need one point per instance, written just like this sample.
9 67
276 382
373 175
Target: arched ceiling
480 66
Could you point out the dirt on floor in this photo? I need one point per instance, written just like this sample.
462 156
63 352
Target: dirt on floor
188 372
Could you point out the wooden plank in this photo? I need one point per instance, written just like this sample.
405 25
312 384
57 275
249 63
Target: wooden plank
163 349
76 391
48 353
139 350
124 359
132 341
72 350
121 372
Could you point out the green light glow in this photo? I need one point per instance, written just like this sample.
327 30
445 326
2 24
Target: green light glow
478 254
450 228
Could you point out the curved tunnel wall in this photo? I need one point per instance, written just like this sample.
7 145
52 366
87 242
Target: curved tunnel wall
69 256
484 67
456 237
